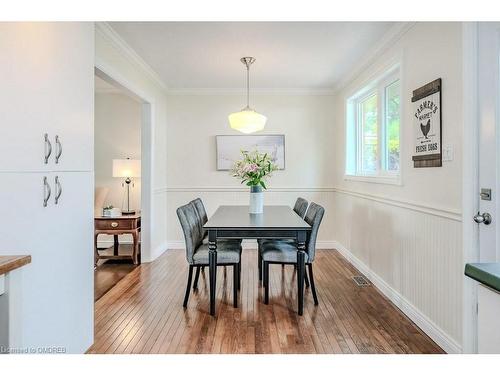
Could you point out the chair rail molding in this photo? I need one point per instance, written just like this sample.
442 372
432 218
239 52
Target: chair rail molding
448 213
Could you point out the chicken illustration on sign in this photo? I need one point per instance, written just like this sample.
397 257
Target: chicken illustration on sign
425 128
427 125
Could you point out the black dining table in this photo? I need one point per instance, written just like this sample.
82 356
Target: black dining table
276 222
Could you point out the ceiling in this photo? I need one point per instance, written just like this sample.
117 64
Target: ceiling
290 55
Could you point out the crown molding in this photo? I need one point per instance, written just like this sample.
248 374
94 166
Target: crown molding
388 40
110 90
108 33
253 91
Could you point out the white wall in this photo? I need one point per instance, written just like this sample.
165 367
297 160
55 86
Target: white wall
195 120
117 132
408 238
117 135
115 58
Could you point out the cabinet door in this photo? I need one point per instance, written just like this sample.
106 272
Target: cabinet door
46 71
57 293
72 262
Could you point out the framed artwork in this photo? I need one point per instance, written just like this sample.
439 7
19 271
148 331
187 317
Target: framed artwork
427 125
229 148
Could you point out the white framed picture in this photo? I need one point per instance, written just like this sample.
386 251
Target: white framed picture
229 148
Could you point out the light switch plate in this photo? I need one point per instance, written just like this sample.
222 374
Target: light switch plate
447 152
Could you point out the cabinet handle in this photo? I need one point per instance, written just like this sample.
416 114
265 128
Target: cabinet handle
46 191
48 148
114 224
58 148
58 189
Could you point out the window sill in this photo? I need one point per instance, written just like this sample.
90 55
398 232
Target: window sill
388 180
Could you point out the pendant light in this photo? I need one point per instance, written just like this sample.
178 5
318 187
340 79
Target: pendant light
247 120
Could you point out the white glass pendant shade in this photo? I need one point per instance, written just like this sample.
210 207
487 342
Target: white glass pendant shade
247 121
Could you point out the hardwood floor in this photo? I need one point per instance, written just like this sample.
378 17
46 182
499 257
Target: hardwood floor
109 273
143 313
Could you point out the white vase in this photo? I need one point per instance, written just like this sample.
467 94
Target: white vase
256 200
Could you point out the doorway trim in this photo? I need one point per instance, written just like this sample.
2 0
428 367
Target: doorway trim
470 181
111 75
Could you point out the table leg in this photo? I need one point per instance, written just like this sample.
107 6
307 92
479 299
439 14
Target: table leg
212 267
135 237
96 253
301 256
115 245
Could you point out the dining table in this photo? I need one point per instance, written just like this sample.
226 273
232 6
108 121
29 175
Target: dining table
275 222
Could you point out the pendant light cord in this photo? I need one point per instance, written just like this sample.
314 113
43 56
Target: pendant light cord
248 86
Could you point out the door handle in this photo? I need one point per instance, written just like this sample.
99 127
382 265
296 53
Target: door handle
58 148
46 191
58 189
48 147
484 218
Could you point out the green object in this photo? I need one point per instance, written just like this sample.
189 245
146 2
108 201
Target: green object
486 273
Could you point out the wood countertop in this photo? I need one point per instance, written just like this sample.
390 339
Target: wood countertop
11 262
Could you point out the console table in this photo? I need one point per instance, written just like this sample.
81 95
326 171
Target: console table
125 224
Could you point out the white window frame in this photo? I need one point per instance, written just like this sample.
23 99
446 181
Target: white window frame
354 170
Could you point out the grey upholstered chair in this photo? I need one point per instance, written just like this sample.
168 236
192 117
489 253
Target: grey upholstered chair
202 219
197 252
300 209
281 252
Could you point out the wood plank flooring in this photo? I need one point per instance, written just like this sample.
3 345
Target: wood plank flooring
143 313
109 272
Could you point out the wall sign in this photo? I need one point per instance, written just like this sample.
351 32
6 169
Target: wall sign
427 125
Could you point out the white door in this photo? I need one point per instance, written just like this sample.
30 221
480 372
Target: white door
484 316
43 91
488 105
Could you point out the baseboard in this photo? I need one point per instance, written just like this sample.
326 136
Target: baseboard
252 244
414 314
158 251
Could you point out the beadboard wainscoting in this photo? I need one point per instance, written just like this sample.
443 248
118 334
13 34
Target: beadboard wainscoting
412 253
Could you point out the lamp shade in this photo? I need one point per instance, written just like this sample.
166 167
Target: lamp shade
126 168
247 121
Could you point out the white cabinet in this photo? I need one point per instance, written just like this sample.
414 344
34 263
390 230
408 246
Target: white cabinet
58 285
488 320
47 75
45 86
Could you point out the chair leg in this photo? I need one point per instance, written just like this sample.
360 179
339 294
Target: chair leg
236 271
313 287
266 283
239 275
188 288
259 261
196 277
306 279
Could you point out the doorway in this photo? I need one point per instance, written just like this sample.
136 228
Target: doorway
481 206
122 181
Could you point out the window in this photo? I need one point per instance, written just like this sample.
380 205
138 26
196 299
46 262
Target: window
373 126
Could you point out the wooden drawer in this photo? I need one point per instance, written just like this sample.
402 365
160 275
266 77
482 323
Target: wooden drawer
117 224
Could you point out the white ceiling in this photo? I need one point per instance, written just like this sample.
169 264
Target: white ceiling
290 55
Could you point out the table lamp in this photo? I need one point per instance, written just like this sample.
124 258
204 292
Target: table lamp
128 169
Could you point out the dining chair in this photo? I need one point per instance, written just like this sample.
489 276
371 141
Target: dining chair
300 208
228 253
280 252
202 219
